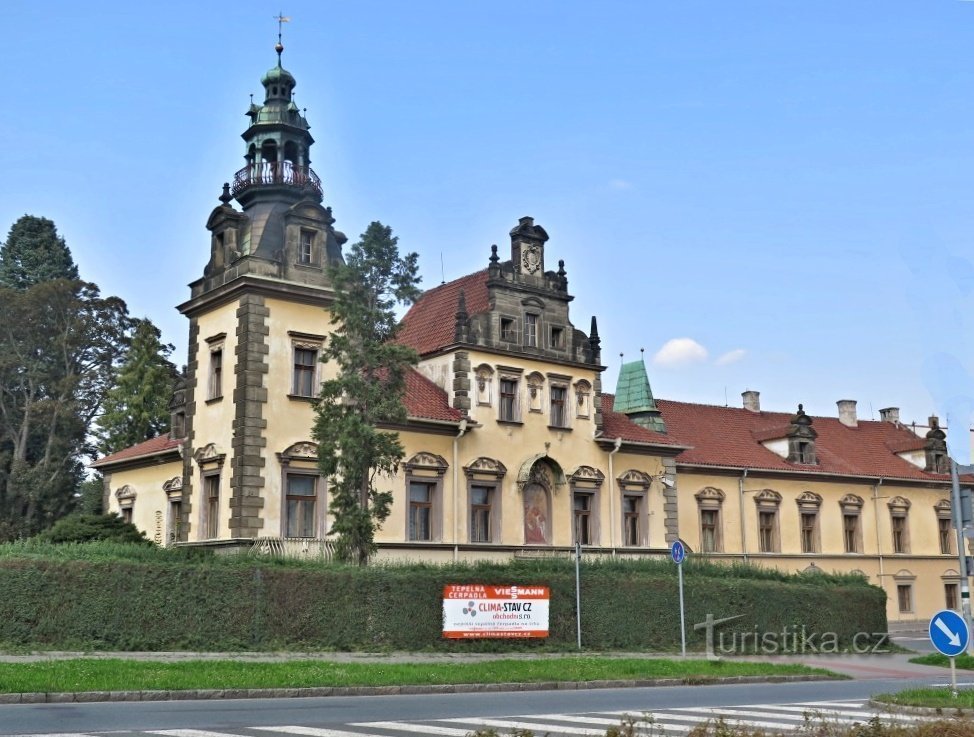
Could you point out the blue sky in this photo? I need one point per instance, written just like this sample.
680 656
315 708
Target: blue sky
783 188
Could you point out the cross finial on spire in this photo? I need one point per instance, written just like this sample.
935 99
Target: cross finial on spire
281 20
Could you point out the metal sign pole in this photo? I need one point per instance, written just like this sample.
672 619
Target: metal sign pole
955 503
578 593
683 626
953 678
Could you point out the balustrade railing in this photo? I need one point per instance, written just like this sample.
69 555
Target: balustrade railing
267 173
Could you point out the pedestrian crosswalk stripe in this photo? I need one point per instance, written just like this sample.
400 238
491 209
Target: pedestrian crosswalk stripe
191 733
317 732
534 726
411 727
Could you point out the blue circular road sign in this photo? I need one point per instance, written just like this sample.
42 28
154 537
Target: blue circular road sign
949 632
678 552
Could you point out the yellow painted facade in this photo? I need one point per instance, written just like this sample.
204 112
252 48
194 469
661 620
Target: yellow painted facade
511 447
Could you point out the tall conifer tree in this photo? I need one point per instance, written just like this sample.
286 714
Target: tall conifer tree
368 389
34 253
136 407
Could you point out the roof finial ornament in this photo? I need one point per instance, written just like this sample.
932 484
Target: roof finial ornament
279 47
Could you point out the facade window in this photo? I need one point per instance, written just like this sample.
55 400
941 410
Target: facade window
507 329
175 523
710 502
946 534
300 506
559 414
945 527
215 386
481 512
851 506
305 365
768 503
558 338
899 509
211 510
809 504
509 409
809 532
709 530
950 596
531 330
632 519
420 510
767 523
127 514
904 596
582 509
307 247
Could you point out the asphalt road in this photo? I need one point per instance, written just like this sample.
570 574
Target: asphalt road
334 713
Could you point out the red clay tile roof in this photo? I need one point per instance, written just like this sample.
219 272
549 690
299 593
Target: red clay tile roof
429 325
617 425
425 400
727 436
155 446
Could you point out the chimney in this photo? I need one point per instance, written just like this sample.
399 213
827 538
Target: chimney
752 400
890 414
847 412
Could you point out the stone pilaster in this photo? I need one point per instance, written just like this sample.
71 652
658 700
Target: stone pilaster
189 446
249 397
671 520
461 381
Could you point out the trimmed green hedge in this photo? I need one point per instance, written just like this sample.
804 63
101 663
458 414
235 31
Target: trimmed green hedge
99 598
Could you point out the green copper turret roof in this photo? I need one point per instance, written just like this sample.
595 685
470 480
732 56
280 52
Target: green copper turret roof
634 397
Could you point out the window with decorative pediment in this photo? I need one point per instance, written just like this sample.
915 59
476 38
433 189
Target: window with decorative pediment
173 489
484 377
125 497
809 507
634 495
303 492
851 506
558 404
586 484
484 478
904 590
424 496
710 502
899 515
210 462
945 527
768 504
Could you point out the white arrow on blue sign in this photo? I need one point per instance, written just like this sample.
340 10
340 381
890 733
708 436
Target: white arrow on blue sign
949 632
678 552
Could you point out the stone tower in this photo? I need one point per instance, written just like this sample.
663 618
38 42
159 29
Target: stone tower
260 306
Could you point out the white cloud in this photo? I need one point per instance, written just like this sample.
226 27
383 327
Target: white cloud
680 352
620 184
731 357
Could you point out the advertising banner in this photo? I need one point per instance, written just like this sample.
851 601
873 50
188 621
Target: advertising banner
482 610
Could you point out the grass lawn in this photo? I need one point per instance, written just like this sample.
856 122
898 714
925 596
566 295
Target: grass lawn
964 662
931 697
89 674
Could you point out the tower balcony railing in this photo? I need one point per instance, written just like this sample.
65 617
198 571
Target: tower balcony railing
271 173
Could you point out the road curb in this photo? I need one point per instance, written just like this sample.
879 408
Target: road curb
77 697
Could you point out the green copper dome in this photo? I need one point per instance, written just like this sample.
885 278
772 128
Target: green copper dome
277 75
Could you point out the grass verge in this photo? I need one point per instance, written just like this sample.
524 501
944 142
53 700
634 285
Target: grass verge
934 698
89 674
964 662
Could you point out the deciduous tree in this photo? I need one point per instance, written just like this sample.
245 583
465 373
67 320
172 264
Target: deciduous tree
368 390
